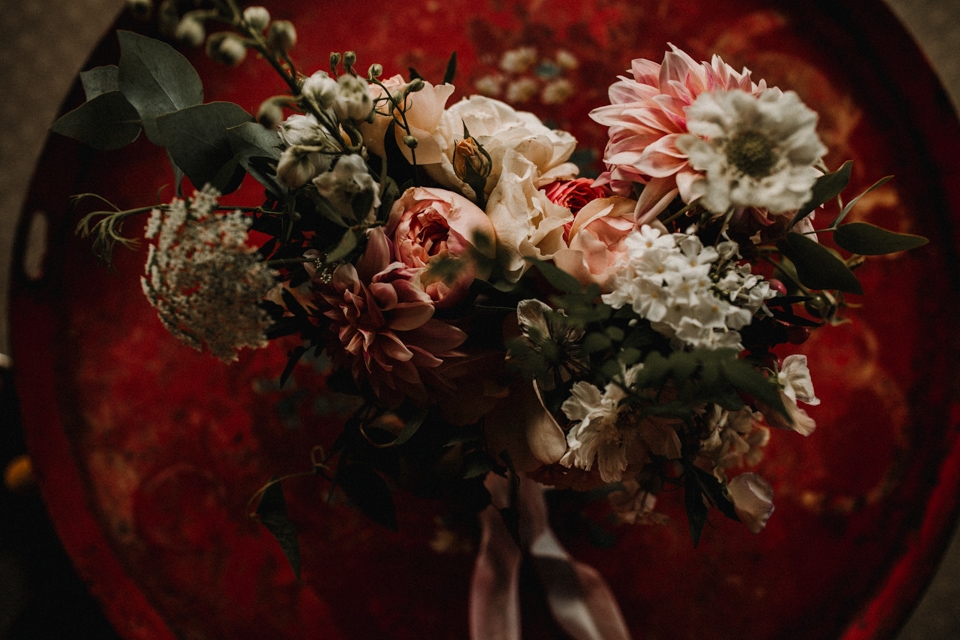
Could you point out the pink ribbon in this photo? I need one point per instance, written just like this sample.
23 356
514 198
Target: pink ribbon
579 599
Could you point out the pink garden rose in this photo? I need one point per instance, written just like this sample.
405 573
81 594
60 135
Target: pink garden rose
596 240
426 224
646 117
574 194
385 325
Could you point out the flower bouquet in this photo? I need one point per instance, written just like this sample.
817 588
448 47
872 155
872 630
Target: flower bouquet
499 322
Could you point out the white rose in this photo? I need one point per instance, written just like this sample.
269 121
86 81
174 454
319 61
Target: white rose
500 128
526 222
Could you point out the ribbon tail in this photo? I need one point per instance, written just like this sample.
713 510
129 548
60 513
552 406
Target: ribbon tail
495 585
580 600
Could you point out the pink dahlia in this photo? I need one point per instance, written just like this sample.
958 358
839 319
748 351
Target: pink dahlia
385 324
646 116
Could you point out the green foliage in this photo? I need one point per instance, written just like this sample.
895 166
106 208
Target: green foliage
157 80
368 492
827 187
702 490
272 513
199 143
107 121
869 240
817 267
849 206
100 80
451 71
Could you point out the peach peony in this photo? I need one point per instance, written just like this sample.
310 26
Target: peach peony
646 116
430 224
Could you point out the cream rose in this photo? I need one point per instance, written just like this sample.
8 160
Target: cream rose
424 113
500 128
526 222
427 224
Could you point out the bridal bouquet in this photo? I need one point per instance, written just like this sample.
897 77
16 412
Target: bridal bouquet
501 322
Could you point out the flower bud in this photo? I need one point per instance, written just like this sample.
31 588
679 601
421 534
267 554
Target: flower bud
414 85
471 161
257 18
320 89
168 18
410 141
353 101
281 36
270 113
349 59
190 31
226 48
140 8
375 71
334 59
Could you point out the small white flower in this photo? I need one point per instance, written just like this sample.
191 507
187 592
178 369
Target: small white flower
566 60
753 500
321 89
190 31
755 151
557 91
299 165
203 279
489 85
794 375
521 90
518 60
353 101
348 179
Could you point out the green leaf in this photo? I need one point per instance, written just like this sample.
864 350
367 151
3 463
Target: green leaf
716 492
816 266
252 139
100 80
348 242
105 122
849 206
557 277
870 240
199 143
451 71
157 80
595 341
696 508
368 492
272 513
744 377
826 187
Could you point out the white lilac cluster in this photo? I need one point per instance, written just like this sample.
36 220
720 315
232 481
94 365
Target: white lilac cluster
203 279
698 295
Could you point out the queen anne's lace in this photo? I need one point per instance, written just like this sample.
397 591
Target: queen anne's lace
203 279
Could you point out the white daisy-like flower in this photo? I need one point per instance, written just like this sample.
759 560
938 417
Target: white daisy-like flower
204 280
755 151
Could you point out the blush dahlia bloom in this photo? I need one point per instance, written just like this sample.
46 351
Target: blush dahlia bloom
646 117
385 324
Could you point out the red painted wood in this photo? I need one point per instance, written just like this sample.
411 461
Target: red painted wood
148 452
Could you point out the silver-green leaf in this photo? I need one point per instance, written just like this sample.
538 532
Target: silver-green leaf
156 79
100 80
105 122
870 240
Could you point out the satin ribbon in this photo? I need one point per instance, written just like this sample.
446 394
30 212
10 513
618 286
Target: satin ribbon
579 599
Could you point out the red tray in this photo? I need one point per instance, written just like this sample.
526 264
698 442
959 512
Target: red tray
147 452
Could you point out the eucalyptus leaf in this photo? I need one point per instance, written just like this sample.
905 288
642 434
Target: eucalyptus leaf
817 267
252 139
157 80
348 242
199 143
870 240
557 277
107 121
849 205
368 492
272 513
827 187
100 80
